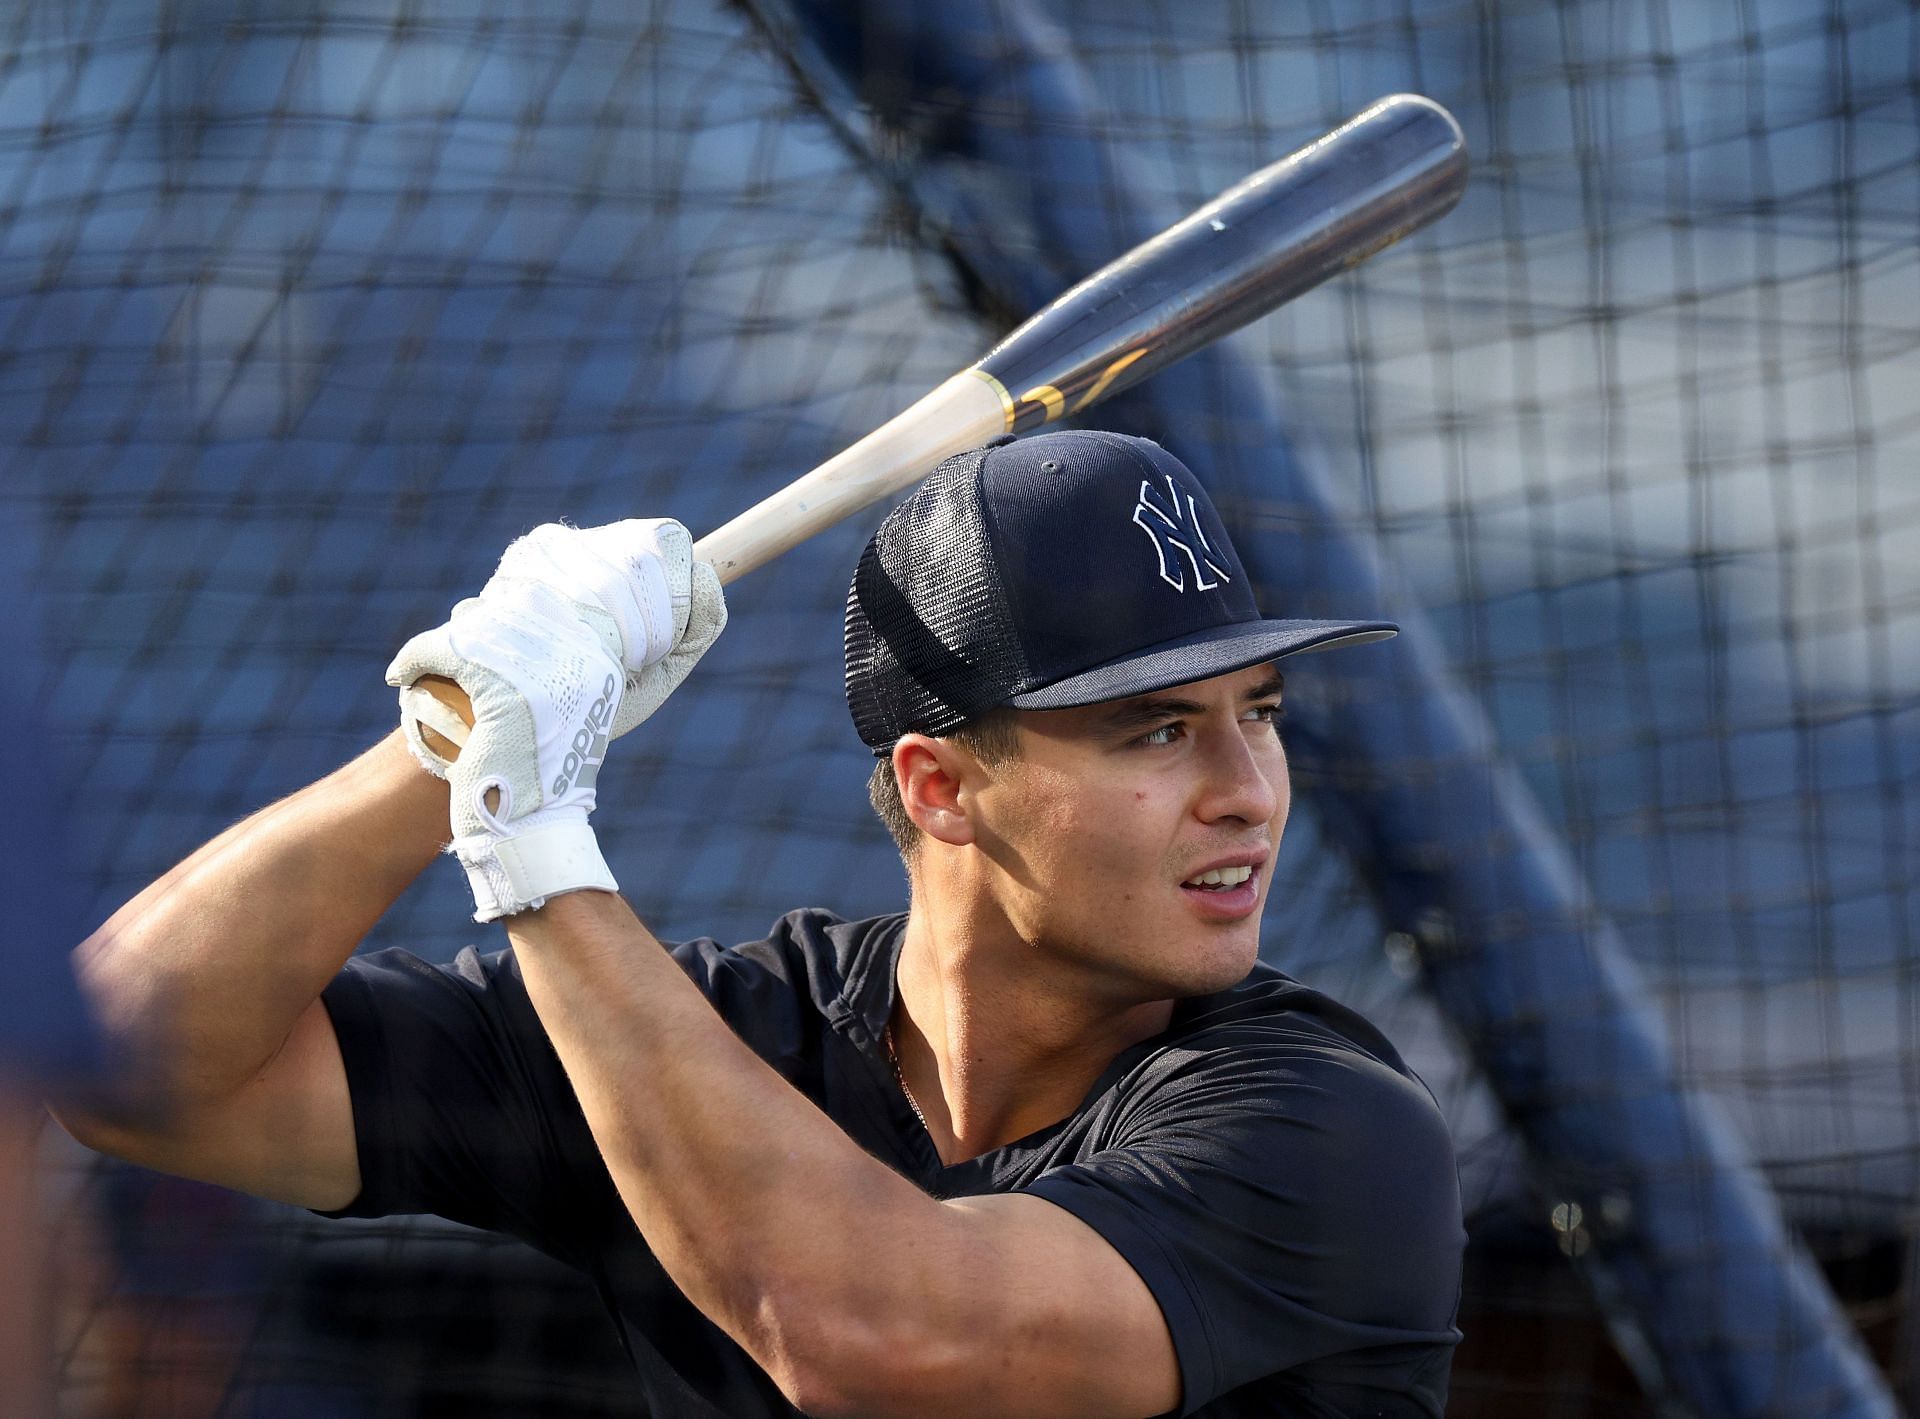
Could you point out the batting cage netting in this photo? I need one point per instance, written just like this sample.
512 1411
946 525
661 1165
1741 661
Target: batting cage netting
311 306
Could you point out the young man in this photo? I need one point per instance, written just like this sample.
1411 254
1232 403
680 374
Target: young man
1051 1142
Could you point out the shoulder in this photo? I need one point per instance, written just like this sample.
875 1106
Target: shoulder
1278 1061
1282 1180
1298 1111
1271 1005
1271 1036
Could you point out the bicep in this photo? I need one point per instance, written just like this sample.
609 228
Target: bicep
287 1134
1288 1220
1030 1311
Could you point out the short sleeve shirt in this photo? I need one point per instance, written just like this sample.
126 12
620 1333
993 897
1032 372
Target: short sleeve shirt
1279 1179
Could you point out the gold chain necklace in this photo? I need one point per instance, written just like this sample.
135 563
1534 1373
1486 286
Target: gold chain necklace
893 1058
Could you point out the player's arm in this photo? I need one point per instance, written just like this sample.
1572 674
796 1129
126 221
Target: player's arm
856 1291
208 983
210 980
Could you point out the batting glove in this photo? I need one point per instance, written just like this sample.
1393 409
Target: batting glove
578 637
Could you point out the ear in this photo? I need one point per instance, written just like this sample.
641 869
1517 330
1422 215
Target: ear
930 773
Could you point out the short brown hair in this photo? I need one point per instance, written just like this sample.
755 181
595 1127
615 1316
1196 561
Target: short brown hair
993 738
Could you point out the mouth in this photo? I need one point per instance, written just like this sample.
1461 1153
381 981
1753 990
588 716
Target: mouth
1218 879
1224 893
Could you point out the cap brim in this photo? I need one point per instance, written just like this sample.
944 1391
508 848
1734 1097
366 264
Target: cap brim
1218 650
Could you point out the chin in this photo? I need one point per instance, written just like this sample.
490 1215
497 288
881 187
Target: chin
1217 962
1161 957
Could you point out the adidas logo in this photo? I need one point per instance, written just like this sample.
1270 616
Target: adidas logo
589 748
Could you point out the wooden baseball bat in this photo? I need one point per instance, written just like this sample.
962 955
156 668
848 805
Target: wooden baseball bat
1391 169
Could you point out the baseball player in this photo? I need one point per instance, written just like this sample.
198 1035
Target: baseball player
1050 1142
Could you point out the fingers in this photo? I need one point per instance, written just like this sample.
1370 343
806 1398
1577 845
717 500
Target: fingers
636 571
577 637
706 618
633 585
429 653
707 611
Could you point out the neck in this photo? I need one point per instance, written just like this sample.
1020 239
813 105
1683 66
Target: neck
995 1039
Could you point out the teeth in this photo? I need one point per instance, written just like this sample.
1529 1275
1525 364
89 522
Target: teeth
1220 877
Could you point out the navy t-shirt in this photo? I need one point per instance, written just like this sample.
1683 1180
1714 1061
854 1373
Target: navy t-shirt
1279 1179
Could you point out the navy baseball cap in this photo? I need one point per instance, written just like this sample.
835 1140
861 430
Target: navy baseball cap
1064 569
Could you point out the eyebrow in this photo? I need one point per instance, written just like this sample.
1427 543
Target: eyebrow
1156 709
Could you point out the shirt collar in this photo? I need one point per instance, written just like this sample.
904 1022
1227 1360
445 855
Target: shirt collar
868 987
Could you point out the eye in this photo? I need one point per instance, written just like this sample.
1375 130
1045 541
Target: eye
1274 713
1164 735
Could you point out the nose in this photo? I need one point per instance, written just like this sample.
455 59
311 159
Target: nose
1244 776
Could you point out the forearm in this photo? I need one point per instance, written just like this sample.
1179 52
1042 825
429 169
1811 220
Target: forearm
201 976
766 1215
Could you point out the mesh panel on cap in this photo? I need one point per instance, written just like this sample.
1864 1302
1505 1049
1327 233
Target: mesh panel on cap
929 641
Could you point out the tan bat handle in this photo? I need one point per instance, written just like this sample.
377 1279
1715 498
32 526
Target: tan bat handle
962 413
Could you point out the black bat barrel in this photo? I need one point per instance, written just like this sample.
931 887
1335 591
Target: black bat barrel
1396 166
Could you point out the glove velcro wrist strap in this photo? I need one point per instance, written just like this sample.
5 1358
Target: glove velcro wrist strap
517 873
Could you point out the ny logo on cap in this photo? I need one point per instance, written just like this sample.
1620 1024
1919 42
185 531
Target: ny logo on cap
1174 521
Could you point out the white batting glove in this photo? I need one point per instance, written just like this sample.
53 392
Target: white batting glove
578 636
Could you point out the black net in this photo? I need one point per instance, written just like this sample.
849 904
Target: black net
310 308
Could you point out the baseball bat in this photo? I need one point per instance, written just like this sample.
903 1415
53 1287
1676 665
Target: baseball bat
1390 170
